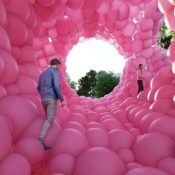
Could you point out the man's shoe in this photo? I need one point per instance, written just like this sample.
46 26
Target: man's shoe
46 147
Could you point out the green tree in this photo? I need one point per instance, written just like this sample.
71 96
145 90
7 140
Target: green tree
105 83
72 84
86 84
165 37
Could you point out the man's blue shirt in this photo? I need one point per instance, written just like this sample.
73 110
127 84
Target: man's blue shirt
49 84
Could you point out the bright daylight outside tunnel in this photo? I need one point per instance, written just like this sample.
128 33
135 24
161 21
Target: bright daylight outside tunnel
118 134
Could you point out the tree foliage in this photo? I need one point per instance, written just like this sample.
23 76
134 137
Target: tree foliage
105 83
72 84
97 84
86 84
165 37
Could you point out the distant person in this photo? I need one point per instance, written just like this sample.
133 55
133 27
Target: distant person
140 78
49 90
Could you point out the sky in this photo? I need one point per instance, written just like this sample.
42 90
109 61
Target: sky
93 54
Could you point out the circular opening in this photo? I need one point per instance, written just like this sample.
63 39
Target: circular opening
93 54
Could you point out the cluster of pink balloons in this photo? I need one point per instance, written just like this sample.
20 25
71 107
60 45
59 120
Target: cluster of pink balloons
119 134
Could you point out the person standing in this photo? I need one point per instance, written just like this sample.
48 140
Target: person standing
49 89
140 78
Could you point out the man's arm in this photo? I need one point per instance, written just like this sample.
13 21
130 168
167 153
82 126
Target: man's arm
56 85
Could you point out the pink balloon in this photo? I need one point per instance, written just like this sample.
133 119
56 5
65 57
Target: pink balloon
158 106
5 137
133 165
95 125
3 14
171 51
164 6
111 124
167 165
129 29
75 4
92 116
12 89
126 155
135 2
63 27
46 3
146 24
120 139
165 92
104 7
28 55
16 52
123 11
31 149
163 125
19 8
15 164
75 125
92 4
4 42
19 107
9 68
146 171
97 137
62 162
26 84
77 117
3 92
137 45
157 145
99 160
30 69
147 120
14 30
74 138
49 49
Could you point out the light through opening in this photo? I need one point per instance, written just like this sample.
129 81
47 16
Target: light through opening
93 54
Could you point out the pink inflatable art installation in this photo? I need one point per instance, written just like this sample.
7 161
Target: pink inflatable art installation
118 134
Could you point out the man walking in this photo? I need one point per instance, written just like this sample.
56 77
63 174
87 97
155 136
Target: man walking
49 90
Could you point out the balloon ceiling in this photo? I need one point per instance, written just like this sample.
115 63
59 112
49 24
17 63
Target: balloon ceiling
118 134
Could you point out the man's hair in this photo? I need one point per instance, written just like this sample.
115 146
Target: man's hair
140 65
54 61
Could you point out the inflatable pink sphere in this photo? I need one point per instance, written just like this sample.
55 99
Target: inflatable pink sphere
99 160
15 164
157 145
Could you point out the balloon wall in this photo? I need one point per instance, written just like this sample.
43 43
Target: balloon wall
119 134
